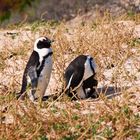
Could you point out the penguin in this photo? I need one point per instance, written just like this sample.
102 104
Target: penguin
38 70
80 79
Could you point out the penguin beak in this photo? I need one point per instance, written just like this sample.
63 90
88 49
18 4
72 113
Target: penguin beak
52 41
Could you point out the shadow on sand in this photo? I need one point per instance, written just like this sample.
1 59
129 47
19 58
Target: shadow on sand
111 91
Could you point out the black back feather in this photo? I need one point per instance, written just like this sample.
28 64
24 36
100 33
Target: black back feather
33 62
76 67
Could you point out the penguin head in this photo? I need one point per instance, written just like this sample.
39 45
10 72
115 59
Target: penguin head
42 42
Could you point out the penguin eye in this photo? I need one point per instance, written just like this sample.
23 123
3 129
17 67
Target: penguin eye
46 40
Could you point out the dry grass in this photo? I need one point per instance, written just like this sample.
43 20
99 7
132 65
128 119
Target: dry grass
110 43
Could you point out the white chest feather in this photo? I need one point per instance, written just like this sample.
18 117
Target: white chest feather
44 77
88 70
43 52
46 71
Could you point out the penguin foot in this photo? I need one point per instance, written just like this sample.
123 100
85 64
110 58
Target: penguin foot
20 96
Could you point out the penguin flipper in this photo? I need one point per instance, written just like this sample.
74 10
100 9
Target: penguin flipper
73 77
32 73
74 82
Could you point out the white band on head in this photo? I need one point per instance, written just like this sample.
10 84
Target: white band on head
37 40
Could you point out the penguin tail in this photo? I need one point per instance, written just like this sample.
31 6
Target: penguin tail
20 96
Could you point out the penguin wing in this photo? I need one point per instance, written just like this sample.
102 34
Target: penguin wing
77 79
30 71
73 80
74 73
29 77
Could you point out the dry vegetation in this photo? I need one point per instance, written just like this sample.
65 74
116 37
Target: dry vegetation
115 115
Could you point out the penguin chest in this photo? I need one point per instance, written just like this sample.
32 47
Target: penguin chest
44 77
46 71
88 72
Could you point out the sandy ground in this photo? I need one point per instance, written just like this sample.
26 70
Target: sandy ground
15 38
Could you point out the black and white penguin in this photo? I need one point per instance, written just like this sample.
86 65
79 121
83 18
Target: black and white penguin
80 78
38 70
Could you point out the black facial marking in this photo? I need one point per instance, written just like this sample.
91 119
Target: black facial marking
90 83
45 43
